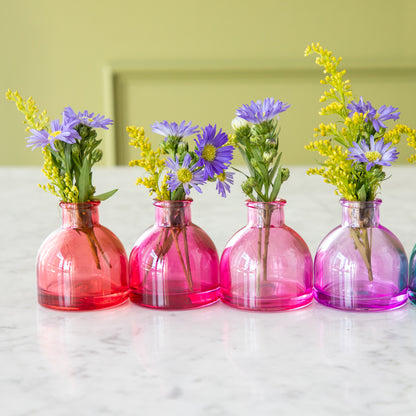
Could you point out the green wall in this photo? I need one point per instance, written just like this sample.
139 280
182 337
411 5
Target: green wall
142 61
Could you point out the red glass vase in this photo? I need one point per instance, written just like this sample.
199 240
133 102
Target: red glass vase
266 266
174 264
82 265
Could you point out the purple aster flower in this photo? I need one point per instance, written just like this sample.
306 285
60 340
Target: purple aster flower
258 112
377 154
88 119
224 180
184 175
375 116
383 114
167 129
214 156
58 131
362 108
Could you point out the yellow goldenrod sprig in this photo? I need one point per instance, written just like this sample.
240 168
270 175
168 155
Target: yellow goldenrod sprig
152 161
339 90
59 185
394 135
29 109
336 169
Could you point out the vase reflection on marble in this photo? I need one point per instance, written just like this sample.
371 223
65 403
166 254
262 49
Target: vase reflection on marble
266 266
361 265
174 264
83 265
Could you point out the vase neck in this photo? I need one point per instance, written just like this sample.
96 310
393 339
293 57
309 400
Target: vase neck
173 213
360 214
266 214
80 215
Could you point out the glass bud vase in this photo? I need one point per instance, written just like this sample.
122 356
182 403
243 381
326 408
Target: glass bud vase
266 266
83 265
174 264
361 265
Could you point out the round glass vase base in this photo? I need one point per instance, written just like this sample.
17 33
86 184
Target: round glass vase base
365 296
271 296
82 302
174 301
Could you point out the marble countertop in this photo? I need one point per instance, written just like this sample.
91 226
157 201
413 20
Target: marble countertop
214 361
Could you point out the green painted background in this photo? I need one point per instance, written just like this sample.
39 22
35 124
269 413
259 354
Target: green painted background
140 61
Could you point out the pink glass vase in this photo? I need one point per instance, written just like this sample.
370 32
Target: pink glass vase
174 264
83 265
266 266
360 265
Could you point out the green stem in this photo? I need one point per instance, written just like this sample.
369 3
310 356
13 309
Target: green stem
259 241
267 221
188 278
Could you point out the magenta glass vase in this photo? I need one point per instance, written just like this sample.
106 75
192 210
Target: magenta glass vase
266 266
174 264
83 265
360 265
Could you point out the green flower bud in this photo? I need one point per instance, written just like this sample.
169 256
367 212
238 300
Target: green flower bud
271 144
183 147
84 131
267 157
252 182
285 174
238 123
171 144
255 140
163 146
92 141
75 149
247 187
93 134
97 156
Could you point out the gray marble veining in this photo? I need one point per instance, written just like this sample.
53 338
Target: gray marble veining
212 361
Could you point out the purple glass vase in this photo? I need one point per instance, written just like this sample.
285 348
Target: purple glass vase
83 265
361 265
174 264
266 266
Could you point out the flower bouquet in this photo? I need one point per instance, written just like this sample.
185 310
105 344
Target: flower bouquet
266 265
83 265
360 265
174 264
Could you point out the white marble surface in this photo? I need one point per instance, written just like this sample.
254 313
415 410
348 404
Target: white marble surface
212 361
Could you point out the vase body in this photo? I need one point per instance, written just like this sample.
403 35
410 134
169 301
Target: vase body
266 266
83 265
174 264
361 265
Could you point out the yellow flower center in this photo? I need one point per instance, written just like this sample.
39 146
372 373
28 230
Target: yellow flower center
55 133
221 177
209 152
373 156
184 175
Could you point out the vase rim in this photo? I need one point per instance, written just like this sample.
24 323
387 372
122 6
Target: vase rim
255 204
346 202
167 202
77 205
